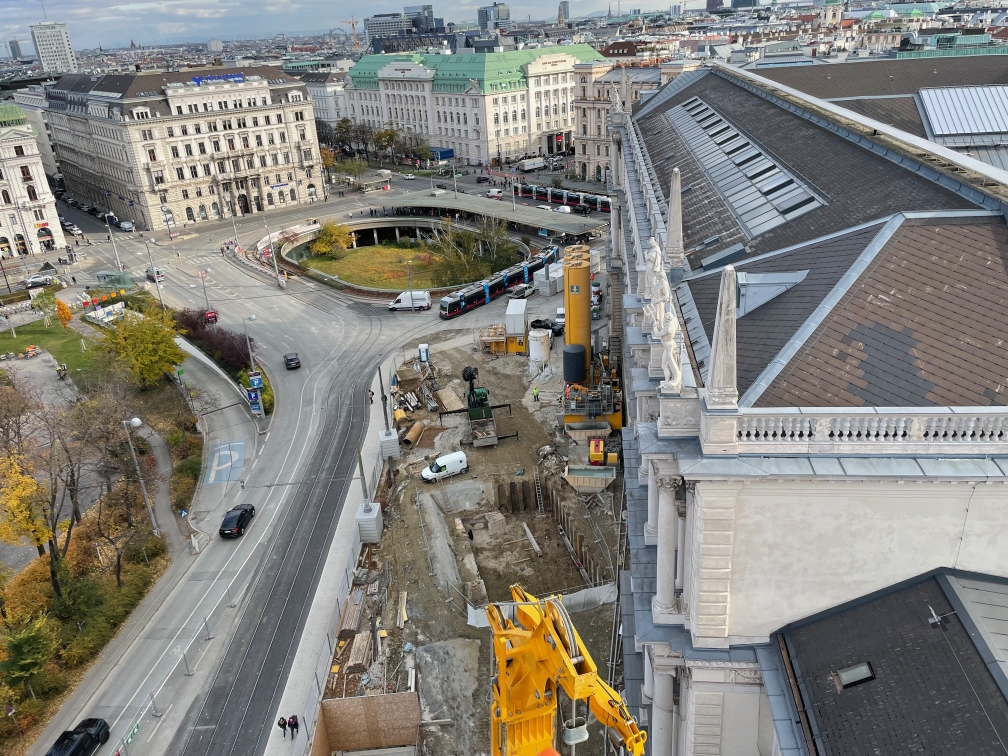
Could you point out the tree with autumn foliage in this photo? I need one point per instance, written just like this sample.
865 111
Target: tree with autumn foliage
63 313
22 500
144 343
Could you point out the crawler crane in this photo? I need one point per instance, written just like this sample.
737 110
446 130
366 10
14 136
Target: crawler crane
537 649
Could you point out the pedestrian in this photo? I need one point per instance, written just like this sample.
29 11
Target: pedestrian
282 724
370 394
74 279
535 393
77 242
293 724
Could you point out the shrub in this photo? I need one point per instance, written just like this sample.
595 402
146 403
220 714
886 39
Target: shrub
182 490
189 467
50 681
87 644
145 542
175 437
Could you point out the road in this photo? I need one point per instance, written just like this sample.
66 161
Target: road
233 614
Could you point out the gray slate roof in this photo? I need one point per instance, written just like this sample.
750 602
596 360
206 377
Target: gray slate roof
932 692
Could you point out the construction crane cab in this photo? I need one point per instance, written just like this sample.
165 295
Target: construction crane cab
536 650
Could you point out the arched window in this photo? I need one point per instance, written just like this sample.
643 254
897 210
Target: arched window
465 118
514 116
269 198
523 114
293 196
505 117
584 171
32 194
311 190
538 113
189 214
554 110
203 213
6 197
216 210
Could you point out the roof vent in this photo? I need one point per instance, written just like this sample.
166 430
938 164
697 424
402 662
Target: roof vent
848 677
756 289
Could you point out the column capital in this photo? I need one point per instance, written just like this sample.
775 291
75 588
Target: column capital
669 483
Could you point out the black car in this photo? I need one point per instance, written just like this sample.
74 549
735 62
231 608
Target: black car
482 179
292 361
236 520
82 740
548 324
440 186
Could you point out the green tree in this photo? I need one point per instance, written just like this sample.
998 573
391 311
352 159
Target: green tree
457 254
29 647
496 248
333 239
557 182
144 343
45 304
355 168
344 132
328 157
385 139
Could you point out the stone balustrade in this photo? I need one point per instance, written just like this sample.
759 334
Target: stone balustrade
964 428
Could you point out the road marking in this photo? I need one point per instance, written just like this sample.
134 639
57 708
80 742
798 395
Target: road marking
228 458
160 720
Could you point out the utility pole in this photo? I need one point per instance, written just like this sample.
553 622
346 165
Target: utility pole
157 284
276 269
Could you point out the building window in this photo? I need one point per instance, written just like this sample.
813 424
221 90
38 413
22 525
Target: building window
174 151
190 215
194 171
185 194
180 173
188 150
159 178
19 150
152 155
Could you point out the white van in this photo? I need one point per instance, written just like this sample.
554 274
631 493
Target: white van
495 193
563 209
446 466
411 300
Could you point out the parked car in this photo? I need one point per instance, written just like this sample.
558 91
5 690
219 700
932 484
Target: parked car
408 176
561 316
563 209
521 291
482 179
72 202
547 208
440 186
155 274
583 209
292 361
446 466
82 740
72 228
86 208
236 520
549 324
126 226
38 279
411 300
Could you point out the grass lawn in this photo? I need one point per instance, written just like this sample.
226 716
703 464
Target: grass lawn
63 345
379 266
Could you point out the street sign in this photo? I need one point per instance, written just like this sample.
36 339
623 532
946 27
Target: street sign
252 394
256 408
255 380
183 513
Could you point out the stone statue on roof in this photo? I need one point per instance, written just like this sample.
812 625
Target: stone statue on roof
654 266
671 354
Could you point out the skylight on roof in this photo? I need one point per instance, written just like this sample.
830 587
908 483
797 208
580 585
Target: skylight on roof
759 193
856 674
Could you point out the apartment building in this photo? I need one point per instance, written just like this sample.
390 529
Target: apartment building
168 150
327 95
53 48
489 108
29 222
32 102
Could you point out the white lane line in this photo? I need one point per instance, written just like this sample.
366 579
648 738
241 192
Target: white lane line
160 720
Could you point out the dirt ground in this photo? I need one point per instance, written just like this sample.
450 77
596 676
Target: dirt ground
470 549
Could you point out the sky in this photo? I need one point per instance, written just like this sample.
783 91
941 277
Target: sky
113 23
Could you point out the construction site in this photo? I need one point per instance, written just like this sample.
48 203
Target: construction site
505 472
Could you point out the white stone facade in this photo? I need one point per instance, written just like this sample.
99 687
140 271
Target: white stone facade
29 222
33 102
53 48
748 538
171 150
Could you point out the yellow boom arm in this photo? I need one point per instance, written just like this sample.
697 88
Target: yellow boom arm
533 654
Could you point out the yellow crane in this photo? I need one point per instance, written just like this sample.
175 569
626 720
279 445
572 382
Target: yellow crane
353 26
536 649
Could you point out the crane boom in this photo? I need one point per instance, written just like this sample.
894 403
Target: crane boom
536 649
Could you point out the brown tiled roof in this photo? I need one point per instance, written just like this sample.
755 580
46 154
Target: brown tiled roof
872 78
147 82
900 112
859 186
924 325
762 333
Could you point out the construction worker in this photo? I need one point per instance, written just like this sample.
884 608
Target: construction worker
535 393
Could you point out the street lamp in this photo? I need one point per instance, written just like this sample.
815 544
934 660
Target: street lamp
203 276
409 278
269 238
136 422
119 267
247 342
157 284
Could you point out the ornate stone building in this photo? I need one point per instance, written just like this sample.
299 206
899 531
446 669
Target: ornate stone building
171 149
811 307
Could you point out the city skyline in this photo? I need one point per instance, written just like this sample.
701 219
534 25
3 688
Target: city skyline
114 23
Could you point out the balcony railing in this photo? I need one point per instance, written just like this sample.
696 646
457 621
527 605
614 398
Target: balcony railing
971 429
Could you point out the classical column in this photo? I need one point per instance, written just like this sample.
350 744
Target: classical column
680 545
651 526
664 599
662 721
648 675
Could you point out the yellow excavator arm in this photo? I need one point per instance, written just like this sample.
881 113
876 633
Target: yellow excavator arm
535 652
